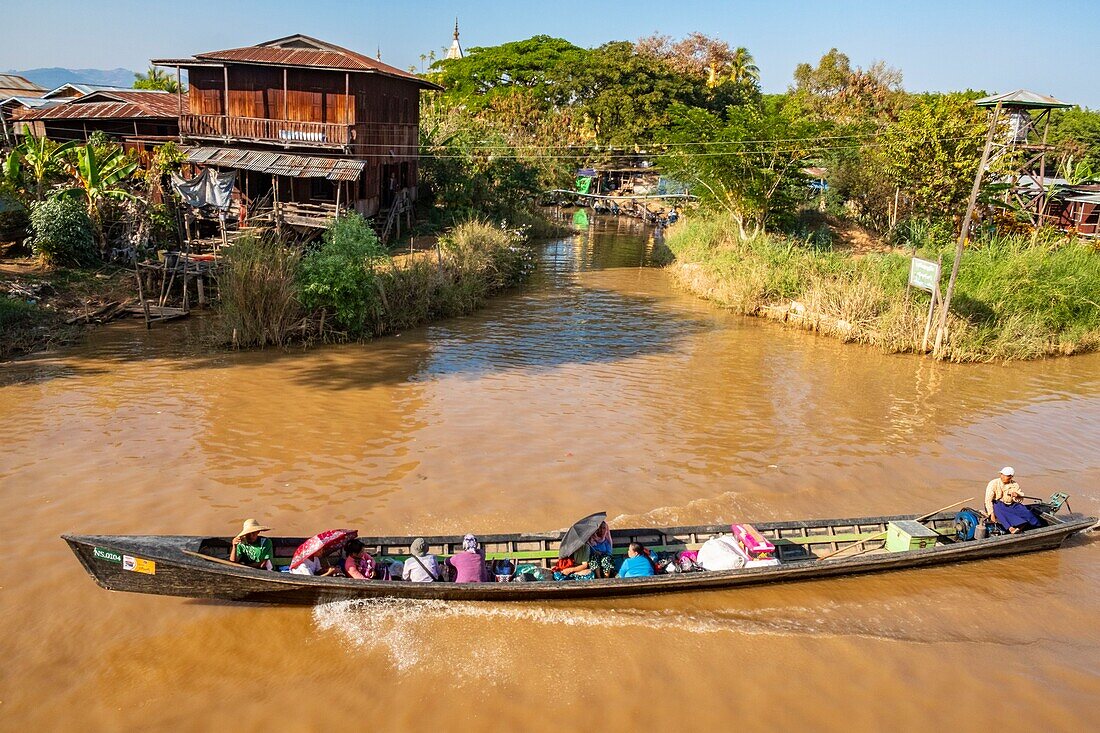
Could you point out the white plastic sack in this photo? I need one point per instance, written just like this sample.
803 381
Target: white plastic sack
720 553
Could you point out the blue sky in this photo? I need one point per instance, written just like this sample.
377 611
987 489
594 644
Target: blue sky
938 45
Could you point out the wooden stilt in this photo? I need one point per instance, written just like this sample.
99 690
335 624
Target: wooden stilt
141 293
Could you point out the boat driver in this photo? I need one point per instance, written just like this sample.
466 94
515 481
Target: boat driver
1002 503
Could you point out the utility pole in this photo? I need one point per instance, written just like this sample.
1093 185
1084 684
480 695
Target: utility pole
941 330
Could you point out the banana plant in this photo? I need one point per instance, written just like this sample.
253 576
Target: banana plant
38 159
1077 172
97 176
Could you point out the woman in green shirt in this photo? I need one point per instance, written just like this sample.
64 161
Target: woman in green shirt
250 549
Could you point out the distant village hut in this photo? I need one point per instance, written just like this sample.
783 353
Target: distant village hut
308 126
16 92
139 119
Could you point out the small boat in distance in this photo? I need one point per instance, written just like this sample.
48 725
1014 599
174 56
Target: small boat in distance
198 567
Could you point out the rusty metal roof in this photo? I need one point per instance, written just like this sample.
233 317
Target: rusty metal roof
113 105
279 164
12 85
303 51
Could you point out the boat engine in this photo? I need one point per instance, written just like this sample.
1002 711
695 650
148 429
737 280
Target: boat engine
967 522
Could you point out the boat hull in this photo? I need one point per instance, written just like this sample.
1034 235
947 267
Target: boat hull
160 565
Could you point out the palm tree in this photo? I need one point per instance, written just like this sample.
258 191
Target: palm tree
742 66
96 178
155 79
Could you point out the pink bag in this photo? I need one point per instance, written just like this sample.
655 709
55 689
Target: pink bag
758 546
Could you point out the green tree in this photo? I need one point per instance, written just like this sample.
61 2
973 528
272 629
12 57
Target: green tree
932 153
628 96
839 92
537 64
751 167
1076 133
156 79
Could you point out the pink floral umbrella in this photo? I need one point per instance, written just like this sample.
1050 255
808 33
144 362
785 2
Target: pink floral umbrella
324 542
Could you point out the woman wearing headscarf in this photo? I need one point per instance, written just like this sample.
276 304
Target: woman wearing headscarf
469 565
575 566
600 547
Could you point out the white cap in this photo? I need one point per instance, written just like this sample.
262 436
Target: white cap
1008 471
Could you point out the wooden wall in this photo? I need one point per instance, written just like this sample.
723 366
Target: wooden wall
312 95
385 112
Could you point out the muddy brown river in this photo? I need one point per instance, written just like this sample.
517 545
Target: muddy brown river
599 386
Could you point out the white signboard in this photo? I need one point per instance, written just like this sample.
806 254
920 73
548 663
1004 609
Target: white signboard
924 274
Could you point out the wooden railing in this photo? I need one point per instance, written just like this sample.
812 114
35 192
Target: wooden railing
288 132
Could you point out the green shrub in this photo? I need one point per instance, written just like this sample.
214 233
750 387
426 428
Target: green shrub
62 232
341 277
259 303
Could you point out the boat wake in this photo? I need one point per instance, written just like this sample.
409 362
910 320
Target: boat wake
399 627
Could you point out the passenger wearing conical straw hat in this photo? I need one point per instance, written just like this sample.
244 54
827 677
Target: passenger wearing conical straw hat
250 549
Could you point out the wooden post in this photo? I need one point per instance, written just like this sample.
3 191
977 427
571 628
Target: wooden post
179 91
225 132
941 330
286 102
141 292
186 293
1043 171
202 294
339 188
275 205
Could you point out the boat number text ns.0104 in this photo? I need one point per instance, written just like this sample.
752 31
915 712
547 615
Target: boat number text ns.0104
109 555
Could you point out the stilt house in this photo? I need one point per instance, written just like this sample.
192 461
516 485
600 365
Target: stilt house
309 127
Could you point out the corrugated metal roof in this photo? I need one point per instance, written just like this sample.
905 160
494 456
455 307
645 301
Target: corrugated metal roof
82 89
13 84
1022 98
30 102
124 105
279 164
300 50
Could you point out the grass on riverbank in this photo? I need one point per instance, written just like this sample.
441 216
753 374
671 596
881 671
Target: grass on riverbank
1015 299
351 289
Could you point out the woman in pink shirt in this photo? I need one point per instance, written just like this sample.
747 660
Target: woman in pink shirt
358 564
469 565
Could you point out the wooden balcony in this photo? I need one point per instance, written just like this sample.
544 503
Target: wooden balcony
289 133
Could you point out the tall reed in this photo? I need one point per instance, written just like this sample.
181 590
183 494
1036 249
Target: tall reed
1015 298
259 293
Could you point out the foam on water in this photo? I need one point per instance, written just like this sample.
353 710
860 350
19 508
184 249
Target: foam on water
398 627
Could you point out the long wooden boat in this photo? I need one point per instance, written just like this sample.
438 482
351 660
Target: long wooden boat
198 567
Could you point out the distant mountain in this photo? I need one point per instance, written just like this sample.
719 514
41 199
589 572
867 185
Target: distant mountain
54 77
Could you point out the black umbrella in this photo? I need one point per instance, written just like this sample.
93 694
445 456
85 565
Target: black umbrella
577 536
